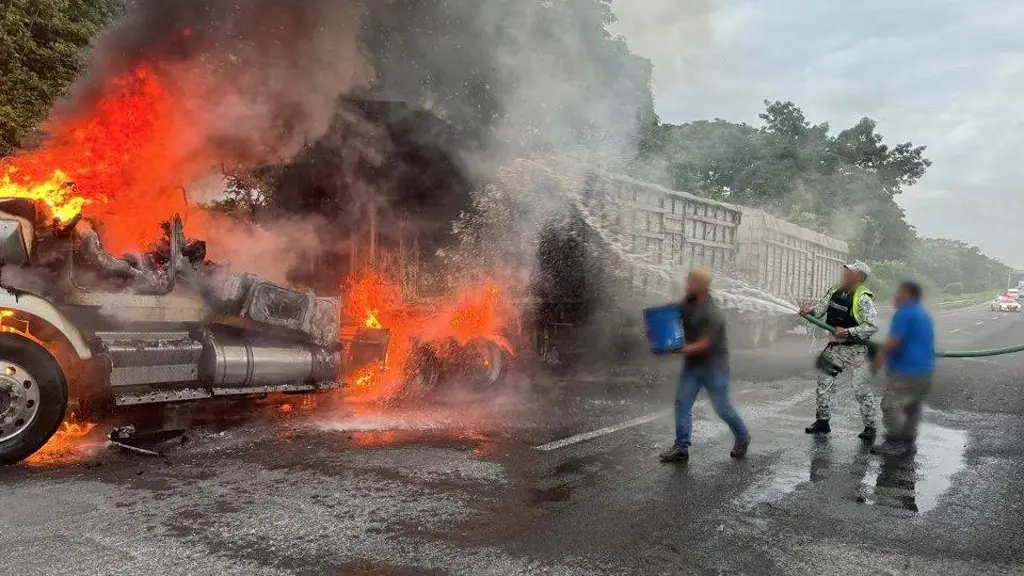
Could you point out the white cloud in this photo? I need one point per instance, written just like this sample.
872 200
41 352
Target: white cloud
944 73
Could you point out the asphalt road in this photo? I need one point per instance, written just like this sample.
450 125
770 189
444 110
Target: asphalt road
555 477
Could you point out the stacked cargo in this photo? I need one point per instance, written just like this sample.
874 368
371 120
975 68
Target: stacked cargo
657 234
663 229
786 260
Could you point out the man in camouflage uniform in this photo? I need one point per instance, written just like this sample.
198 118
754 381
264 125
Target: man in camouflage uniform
849 307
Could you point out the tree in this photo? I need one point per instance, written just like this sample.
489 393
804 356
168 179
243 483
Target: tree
843 184
952 261
532 77
41 44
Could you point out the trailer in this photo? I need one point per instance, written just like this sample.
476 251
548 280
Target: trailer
629 244
82 329
785 260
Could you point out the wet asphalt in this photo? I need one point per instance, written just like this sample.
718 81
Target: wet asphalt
555 476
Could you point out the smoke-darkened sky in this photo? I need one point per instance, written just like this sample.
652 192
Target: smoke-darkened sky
948 74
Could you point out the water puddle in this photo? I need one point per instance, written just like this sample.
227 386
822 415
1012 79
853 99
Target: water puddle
915 482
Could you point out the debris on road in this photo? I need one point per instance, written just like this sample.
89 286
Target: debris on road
127 438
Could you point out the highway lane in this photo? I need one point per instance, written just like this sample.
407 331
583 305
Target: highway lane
557 476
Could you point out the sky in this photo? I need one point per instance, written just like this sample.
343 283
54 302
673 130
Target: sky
945 74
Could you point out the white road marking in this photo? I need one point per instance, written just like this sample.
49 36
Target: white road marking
954 331
602 432
979 323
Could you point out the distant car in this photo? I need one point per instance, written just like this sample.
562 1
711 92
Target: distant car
1005 303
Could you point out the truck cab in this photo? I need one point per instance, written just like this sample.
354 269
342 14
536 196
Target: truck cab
80 327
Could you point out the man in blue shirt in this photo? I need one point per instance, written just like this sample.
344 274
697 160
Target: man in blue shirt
910 353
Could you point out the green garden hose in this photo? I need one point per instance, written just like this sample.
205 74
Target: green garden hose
947 354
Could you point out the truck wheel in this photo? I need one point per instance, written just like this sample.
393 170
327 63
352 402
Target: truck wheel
33 397
423 370
489 363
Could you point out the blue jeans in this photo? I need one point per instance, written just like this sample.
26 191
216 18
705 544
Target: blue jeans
716 381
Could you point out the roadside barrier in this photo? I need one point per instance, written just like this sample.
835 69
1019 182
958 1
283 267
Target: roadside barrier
940 305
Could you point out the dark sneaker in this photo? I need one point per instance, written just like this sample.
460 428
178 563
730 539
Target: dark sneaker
868 435
894 448
675 454
819 427
739 449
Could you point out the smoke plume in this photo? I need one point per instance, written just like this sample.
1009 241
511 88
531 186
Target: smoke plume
178 90
256 78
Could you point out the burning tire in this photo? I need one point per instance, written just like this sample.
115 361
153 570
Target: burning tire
487 363
424 370
479 364
33 397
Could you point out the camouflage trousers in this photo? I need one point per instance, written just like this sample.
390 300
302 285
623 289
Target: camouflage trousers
839 358
901 405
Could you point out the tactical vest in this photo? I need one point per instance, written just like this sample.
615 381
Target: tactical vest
844 307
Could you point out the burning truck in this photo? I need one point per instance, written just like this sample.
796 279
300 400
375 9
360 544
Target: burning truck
81 329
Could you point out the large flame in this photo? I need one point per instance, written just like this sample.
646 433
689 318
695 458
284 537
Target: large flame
116 162
376 302
481 310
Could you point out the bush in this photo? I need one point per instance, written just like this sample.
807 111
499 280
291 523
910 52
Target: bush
954 289
887 275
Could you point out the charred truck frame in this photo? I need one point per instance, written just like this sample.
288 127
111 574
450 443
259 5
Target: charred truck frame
81 328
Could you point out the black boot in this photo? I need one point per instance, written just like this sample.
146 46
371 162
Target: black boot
675 454
819 427
892 447
868 435
739 449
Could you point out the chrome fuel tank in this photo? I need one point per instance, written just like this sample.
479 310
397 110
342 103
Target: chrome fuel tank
228 362
153 367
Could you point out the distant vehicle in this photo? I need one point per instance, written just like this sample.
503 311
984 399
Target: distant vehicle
1014 293
1005 303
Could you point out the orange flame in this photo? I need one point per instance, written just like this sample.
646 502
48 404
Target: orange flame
64 447
481 311
58 193
115 162
371 320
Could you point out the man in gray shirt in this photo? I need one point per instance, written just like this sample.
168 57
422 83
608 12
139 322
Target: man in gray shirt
705 365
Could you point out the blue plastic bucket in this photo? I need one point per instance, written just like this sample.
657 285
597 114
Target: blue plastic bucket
664 328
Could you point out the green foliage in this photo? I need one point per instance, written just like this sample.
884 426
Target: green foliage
954 289
941 267
886 276
844 184
949 262
41 44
